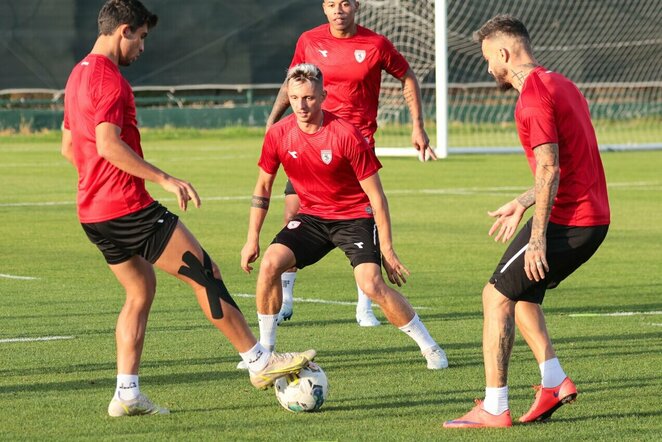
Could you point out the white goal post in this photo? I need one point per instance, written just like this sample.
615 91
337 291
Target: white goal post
611 50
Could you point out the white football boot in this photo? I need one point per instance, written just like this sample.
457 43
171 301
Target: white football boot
436 358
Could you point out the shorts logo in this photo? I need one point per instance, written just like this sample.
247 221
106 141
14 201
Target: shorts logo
327 156
293 224
359 55
359 245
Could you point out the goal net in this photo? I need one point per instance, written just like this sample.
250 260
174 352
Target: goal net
611 49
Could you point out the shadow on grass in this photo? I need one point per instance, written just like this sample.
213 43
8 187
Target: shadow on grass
84 384
610 416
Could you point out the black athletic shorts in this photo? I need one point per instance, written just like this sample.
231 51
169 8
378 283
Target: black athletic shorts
145 233
310 238
568 247
289 188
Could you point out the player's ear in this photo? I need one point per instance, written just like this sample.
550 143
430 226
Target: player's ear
504 54
125 31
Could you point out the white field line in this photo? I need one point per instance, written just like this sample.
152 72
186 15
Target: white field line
591 315
318 301
656 324
43 338
38 204
50 165
322 301
441 191
25 278
71 203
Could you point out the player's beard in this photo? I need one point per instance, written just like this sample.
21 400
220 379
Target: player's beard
500 76
124 61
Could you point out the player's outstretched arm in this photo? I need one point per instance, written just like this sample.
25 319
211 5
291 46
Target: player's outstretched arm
280 106
259 208
508 217
412 93
111 147
396 271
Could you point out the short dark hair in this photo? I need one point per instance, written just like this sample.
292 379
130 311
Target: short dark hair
124 12
503 24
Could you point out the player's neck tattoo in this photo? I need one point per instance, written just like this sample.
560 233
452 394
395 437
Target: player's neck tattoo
520 73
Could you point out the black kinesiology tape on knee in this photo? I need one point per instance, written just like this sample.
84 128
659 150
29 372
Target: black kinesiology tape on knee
203 274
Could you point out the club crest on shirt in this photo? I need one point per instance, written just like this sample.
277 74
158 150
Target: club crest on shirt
327 156
293 224
359 55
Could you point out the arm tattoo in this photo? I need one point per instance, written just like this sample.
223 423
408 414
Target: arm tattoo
547 184
412 99
528 198
260 202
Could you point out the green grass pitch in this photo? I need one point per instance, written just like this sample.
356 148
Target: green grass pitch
379 386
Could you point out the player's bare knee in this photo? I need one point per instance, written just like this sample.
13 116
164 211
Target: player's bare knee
496 302
373 288
272 267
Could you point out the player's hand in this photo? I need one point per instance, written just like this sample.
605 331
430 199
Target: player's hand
535 259
395 270
507 217
183 190
421 142
249 253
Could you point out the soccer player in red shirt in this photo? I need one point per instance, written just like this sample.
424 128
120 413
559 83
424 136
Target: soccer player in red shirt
135 233
342 205
570 221
352 58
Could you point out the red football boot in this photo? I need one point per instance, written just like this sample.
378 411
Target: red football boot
479 418
548 400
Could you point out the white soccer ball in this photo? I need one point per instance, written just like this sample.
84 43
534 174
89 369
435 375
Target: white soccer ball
302 391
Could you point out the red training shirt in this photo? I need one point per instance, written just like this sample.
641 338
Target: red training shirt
551 109
325 167
352 69
96 92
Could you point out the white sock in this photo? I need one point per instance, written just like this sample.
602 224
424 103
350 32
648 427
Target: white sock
287 280
127 387
496 400
256 358
551 372
364 303
268 324
417 331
